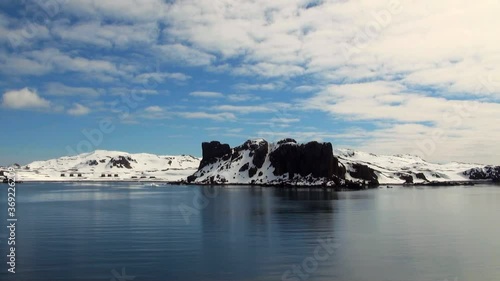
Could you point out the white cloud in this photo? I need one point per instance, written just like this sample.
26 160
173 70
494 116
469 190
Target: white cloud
159 77
108 35
242 97
305 89
206 94
246 109
78 110
184 55
258 87
423 59
436 128
223 116
153 109
126 10
60 89
50 60
121 91
24 99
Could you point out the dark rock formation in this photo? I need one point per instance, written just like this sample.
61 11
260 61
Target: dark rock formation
311 161
287 140
313 158
245 167
92 163
212 151
421 176
486 173
406 177
364 173
252 171
122 162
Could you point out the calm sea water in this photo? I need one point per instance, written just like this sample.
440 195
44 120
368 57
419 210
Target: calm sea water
134 232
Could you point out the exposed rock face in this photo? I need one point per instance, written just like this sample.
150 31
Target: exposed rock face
258 162
312 158
212 151
365 173
421 176
406 177
486 173
121 162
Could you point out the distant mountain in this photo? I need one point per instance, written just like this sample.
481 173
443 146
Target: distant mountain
400 169
257 162
287 162
110 165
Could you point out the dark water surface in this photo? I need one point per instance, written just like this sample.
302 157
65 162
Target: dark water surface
101 231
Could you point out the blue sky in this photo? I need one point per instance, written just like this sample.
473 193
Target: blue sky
388 77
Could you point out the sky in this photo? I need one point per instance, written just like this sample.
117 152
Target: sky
161 76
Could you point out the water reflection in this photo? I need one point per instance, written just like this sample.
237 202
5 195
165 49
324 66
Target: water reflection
253 233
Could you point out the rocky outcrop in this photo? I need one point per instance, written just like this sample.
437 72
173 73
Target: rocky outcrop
364 173
212 151
312 158
487 173
406 177
259 162
121 162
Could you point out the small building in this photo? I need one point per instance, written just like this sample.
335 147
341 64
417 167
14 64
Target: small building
63 175
134 177
152 177
71 175
79 175
116 175
109 175
103 175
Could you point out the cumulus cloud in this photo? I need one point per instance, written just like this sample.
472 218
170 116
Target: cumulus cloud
108 35
153 109
24 99
78 110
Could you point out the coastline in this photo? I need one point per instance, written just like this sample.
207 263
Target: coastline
353 186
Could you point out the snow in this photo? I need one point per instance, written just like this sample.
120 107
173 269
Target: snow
388 167
150 167
93 165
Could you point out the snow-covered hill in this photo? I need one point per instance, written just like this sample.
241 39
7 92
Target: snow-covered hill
104 165
400 169
287 162
260 162
256 162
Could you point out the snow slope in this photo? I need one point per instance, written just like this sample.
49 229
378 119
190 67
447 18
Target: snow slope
396 169
241 168
102 165
236 168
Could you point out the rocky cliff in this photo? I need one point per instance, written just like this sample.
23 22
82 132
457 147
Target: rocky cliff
260 162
